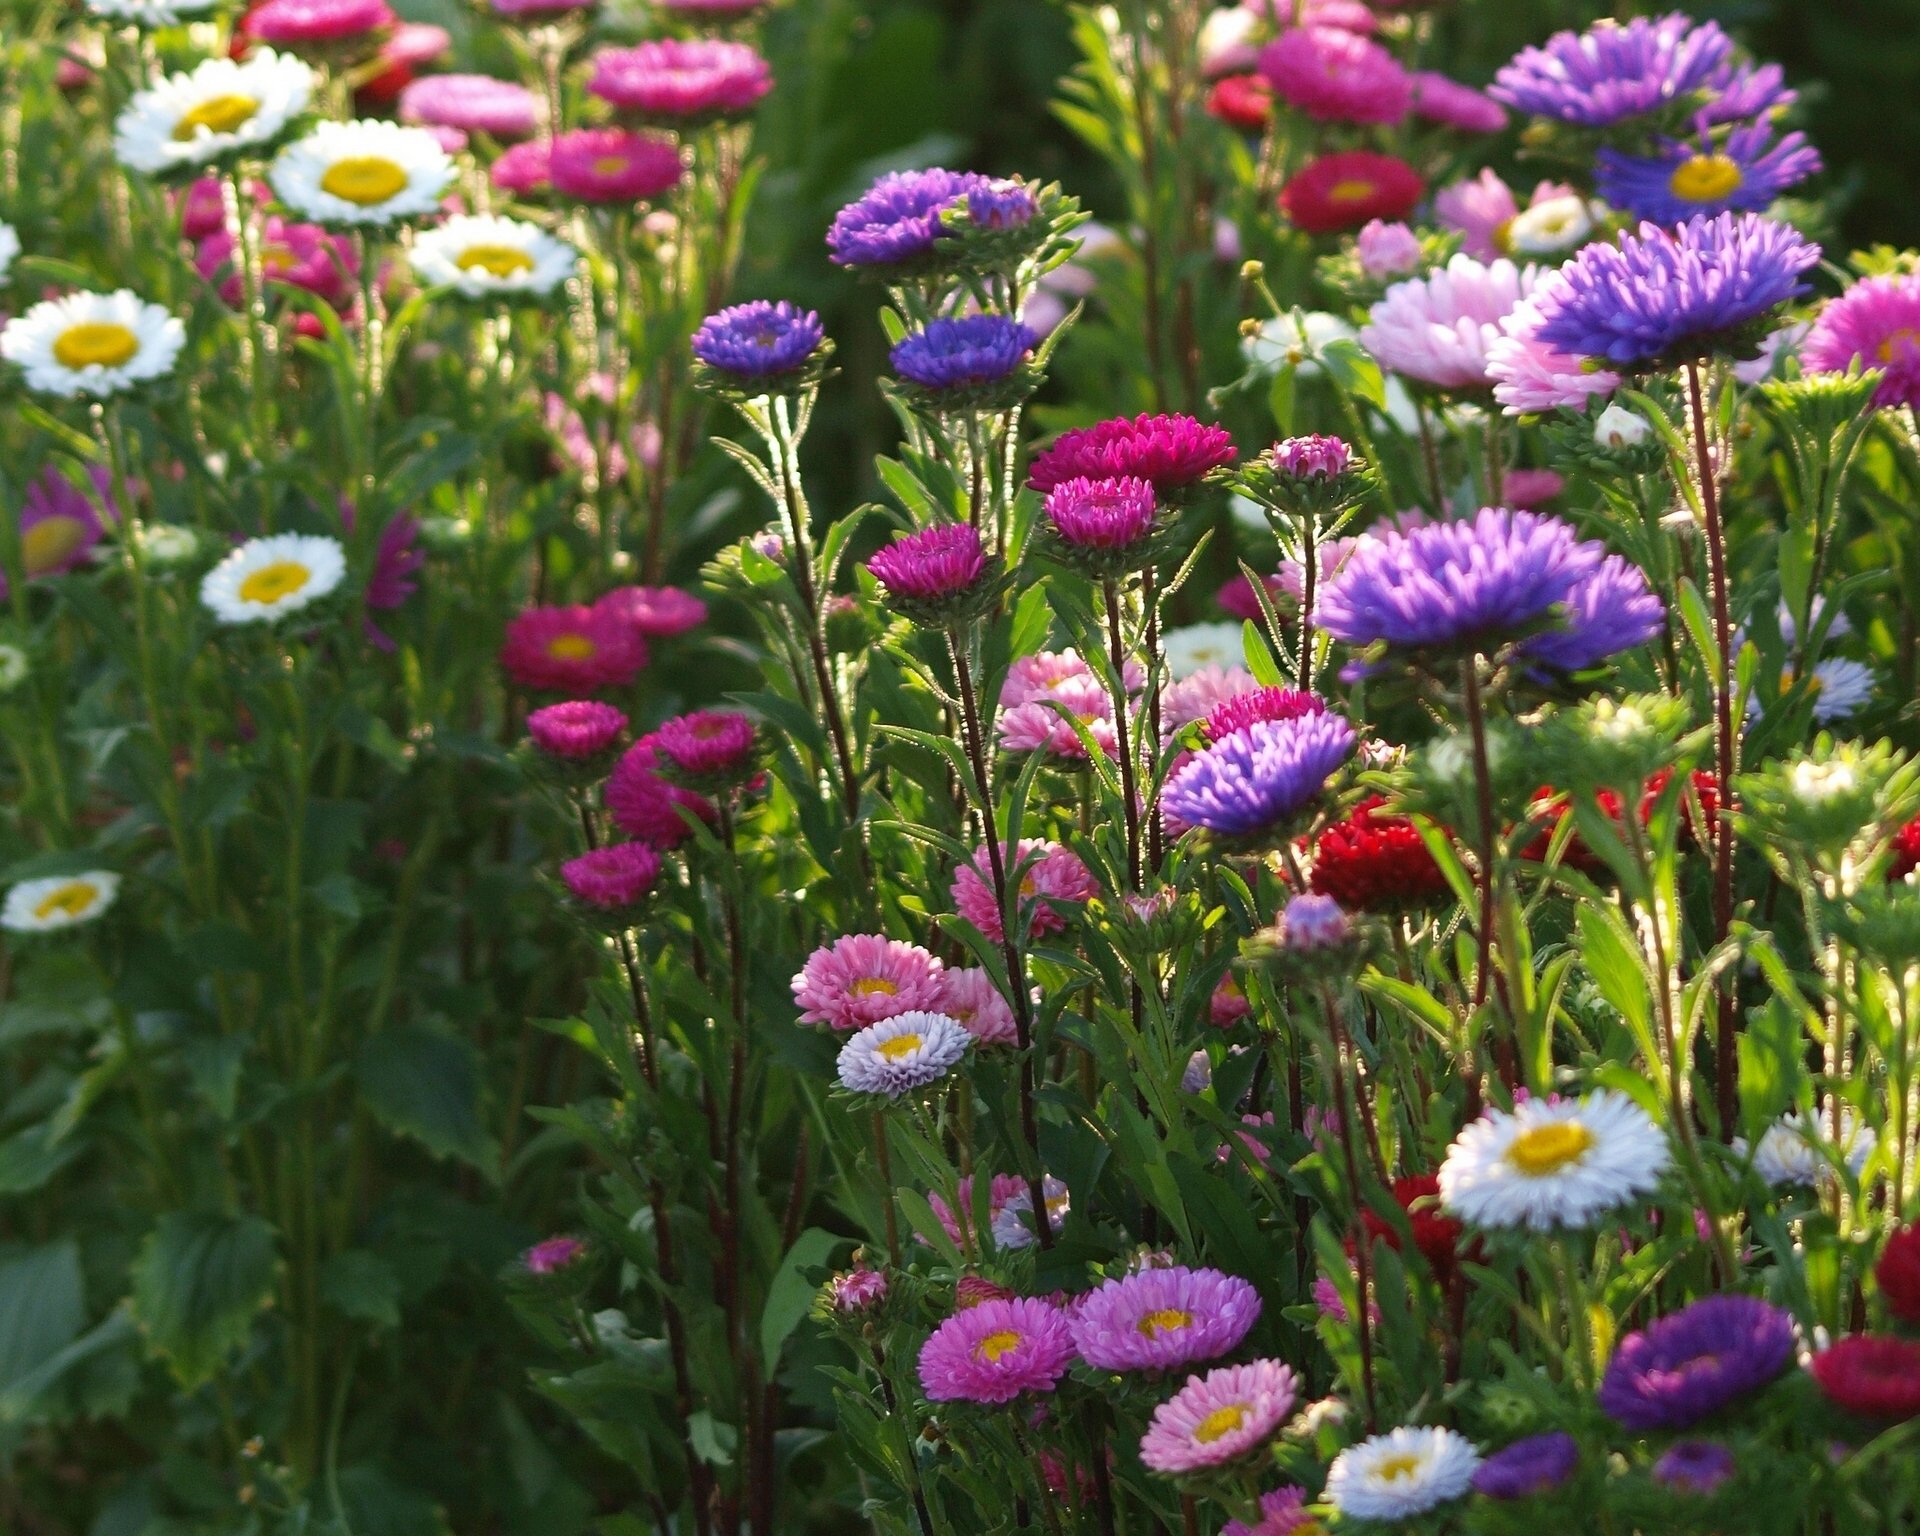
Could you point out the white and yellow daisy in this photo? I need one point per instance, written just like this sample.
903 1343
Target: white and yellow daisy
93 343
1794 1150
216 109
150 13
58 901
1553 225
1401 1474
364 172
1194 646
1553 1164
9 248
483 254
265 578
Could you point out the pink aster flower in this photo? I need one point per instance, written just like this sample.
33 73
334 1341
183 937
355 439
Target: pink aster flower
675 80
1252 706
857 1290
1440 100
610 165
866 978
1001 1190
1480 210
1532 488
534 10
655 613
1336 76
941 561
293 23
1047 724
1437 329
614 877
292 255
203 207
1529 375
1388 250
1228 1004
1874 324
570 650
969 995
1198 694
996 1351
1283 1512
576 729
1252 1139
1114 513
501 109
707 745
552 1254
644 805
60 524
1218 1417
1048 674
1056 872
1172 453
1158 1319
523 169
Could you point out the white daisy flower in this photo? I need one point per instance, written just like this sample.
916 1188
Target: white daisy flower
1401 1474
93 343
903 1053
365 172
484 254
1013 1225
150 13
223 105
9 248
1295 340
58 901
14 667
167 545
1194 646
1548 1165
1553 225
1795 1151
265 578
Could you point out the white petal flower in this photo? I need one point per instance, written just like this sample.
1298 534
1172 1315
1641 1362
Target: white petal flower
1618 427
1794 1152
483 254
1552 225
222 106
167 545
93 343
1401 1474
900 1054
58 901
150 13
9 248
365 172
1295 339
1553 1164
265 578
1189 649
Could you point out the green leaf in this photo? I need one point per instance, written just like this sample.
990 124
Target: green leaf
712 1441
32 1157
198 1281
427 1086
791 1292
43 1306
362 1286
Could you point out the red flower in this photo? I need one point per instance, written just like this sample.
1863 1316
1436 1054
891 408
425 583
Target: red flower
1436 1236
1899 1274
1346 190
1906 852
1705 789
1244 101
1873 1376
1371 861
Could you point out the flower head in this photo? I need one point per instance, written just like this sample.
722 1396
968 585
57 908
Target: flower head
760 340
1547 1164
523 169
1528 1468
1170 453
54 902
934 569
654 613
571 650
217 109
1001 1188
1251 706
1797 1149
501 109
1616 70
1056 674
1230 1412
679 80
578 728
1388 250
1374 861
968 352
902 1053
1311 458
551 1255
1336 76
1401 1474
60 524
857 1290
1530 376
1253 781
265 579
864 978
1874 324
1694 1466
1437 329
1345 190
1442 100
611 165
484 255
1242 101
644 805
312 23
1874 1376
1160 1319
994 1352
1682 178
1899 1273
970 995
1052 871
1689 1365
95 344
362 173
614 878
898 220
302 256
1283 1512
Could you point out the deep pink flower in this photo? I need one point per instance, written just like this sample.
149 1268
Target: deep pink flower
677 80
866 978
203 207
644 805
1198 694
996 1351
610 165
290 23
1110 513
60 524
1874 324
406 48
523 169
1171 453
940 561
1875 1376
571 650
577 728
1346 190
501 109
1228 1003
613 877
1254 705
708 744
1057 872
553 1254
1336 76
302 256
1531 488
1440 100
655 613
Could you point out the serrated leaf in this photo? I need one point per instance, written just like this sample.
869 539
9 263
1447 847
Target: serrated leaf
427 1086
198 1281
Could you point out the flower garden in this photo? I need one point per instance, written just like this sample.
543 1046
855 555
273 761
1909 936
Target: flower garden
719 821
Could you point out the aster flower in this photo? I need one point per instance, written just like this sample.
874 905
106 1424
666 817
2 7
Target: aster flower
675 80
55 902
60 524
897 223
1530 376
407 46
1401 1474
1198 695
970 995
754 342
1615 71
1052 873
1898 1274
1874 324
1553 225
576 729
1160 1319
1050 674
1251 706
501 109
1052 725
1230 1412
995 1352
1681 178
856 1290
1251 783
1013 1226
1528 1468
292 255
654 613
900 1054
317 23
1283 1512
1386 251
1437 329
1241 101
1663 296
644 805
94 344
524 169
485 256
1345 190
1876 1377
1695 1466
612 879
1310 923
1103 528
964 355
1336 76
1798 1150
1193 647
1001 1188
218 109
1689 1365
1550 1164
1480 210
570 650
865 978
1375 861
1442 100
266 579
938 576
1170 453
707 749
1227 1005
552 1254
610 165
362 173
1435 1236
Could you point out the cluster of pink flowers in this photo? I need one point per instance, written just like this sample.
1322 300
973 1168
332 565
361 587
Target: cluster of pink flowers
862 979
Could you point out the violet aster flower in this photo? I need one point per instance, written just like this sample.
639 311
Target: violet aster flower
1682 178
1528 1468
502 109
1255 780
578 728
936 576
1172 453
759 340
1160 1319
614 878
1001 205
1613 610
953 354
1874 324
1695 1466
1311 922
1336 76
1688 1366
681 80
1616 70
900 1054
1665 295
553 1254
1219 1417
897 221
994 1352
610 165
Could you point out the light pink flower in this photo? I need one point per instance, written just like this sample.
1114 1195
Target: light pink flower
1437 329
1056 872
1039 726
1219 1417
1529 376
1388 250
1440 100
1195 696
866 978
970 996
1045 674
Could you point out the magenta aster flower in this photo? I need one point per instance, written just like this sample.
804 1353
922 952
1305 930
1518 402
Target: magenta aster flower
1197 695
1531 376
1336 76
644 805
575 729
654 613
501 109
1692 1363
1874 324
60 525
610 165
612 878
1437 329
1158 1319
550 1255
1219 1417
523 169
1283 1512
570 650
1110 514
292 23
857 1290
969 995
681 80
864 978
932 568
1171 453
1054 872
1251 706
709 748
292 255
996 1351
1442 100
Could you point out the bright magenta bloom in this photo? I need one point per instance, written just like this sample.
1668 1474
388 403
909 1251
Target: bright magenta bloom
644 805
1337 76
1874 324
609 165
996 1351
289 23
575 650
578 728
669 79
613 877
655 613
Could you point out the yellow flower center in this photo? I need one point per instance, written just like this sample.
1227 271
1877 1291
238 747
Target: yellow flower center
1705 178
1789 677
994 1345
873 986
1166 1320
74 899
1220 1423
277 259
495 260
899 1048
1502 236
364 180
272 582
91 343
217 114
1353 190
47 546
1546 1149
1396 1467
571 647
1898 344
609 165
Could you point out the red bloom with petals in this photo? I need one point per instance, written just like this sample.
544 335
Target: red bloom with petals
1372 861
1899 1274
1906 852
1872 1375
1437 1236
1346 190
1244 101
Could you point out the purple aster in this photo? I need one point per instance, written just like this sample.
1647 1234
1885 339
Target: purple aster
1258 778
758 340
1001 205
942 561
1695 1466
1669 294
1685 178
1161 1319
1690 1365
898 220
1310 922
1741 92
1311 458
1102 514
972 350
1613 610
1527 1468
1171 452
1616 70
60 524
994 1352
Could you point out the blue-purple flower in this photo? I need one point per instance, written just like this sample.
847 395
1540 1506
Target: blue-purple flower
1684 178
758 340
1255 780
1615 71
1001 205
1695 1466
898 220
1665 295
1528 1468
970 351
1688 1366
